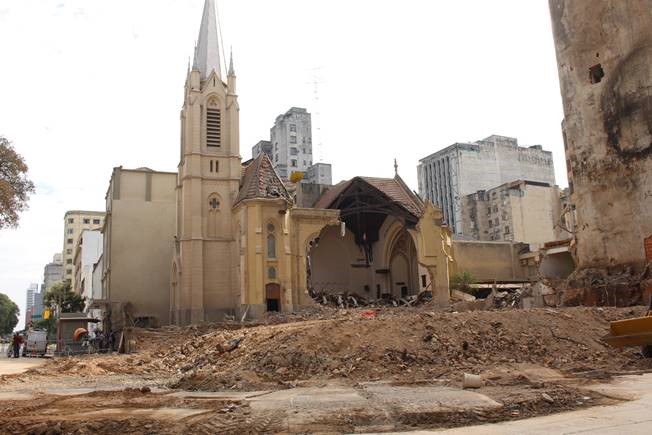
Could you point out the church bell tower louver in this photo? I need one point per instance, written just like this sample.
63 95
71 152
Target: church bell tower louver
204 273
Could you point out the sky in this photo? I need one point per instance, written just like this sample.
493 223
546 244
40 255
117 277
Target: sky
87 85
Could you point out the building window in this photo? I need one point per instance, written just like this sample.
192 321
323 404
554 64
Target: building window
211 166
69 261
71 221
96 221
271 273
68 251
293 128
506 230
87 221
69 241
68 271
213 127
213 203
293 163
70 231
294 151
271 241
304 163
293 139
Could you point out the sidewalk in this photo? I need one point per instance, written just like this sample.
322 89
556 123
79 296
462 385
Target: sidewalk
633 417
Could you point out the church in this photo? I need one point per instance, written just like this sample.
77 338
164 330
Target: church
242 246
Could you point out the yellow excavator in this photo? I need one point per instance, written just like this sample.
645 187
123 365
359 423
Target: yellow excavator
632 332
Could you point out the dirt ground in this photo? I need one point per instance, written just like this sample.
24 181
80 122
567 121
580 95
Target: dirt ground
533 362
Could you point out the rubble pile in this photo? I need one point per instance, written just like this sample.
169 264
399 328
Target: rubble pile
354 300
380 344
508 299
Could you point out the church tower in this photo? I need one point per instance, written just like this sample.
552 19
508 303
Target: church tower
204 279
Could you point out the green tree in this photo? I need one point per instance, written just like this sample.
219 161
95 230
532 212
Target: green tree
462 281
64 299
8 314
15 187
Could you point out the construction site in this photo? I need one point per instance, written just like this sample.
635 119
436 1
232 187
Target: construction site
268 305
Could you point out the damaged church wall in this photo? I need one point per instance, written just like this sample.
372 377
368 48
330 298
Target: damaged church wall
489 261
604 56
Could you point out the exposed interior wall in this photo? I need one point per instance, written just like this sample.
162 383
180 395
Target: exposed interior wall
489 261
557 265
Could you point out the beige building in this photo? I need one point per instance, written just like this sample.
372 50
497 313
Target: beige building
138 244
76 221
521 211
242 247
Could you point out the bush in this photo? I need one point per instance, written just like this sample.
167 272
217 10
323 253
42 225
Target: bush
462 281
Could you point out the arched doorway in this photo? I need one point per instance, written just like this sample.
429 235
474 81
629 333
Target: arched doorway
403 270
273 297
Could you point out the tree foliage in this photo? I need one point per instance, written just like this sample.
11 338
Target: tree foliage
296 176
462 281
61 296
15 187
8 314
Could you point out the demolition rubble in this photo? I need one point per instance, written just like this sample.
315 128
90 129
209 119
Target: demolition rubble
529 362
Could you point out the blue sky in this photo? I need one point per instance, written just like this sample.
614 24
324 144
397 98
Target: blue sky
87 85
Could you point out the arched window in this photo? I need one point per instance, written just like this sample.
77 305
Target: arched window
271 241
271 273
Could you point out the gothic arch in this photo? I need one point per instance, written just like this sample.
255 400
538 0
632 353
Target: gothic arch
272 232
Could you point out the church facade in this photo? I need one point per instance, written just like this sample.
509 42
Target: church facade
242 247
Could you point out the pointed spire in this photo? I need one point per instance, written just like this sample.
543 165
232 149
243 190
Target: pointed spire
231 70
207 51
395 167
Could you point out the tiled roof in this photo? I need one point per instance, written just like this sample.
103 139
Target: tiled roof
394 188
260 180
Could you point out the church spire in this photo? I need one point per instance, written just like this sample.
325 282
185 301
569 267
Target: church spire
231 70
207 51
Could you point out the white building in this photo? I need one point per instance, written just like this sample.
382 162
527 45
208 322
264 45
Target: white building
464 168
87 253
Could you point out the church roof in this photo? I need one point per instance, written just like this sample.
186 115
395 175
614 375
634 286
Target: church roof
394 188
207 51
260 180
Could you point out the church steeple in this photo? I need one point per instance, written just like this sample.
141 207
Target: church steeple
207 51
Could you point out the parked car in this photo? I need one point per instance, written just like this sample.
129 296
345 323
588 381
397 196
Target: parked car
36 343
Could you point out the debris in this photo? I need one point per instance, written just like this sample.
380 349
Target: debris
472 381
230 346
547 398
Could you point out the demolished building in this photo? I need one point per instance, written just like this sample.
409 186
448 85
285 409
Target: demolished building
604 57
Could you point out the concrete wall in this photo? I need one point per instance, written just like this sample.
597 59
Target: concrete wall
604 57
138 242
489 261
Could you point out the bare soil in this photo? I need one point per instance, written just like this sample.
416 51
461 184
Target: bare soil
533 362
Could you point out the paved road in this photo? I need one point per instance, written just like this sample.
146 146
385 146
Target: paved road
633 417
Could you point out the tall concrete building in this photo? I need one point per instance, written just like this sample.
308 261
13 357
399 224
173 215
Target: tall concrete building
75 221
604 58
464 168
519 211
31 295
290 148
87 252
52 272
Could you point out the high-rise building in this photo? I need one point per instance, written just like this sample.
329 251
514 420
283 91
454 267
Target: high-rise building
518 211
464 168
52 272
31 294
74 222
87 252
291 139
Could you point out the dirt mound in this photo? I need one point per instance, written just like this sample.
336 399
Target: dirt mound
401 345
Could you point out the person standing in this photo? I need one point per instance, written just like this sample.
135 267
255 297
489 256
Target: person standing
16 342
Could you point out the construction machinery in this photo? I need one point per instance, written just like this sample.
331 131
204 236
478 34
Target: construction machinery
632 332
